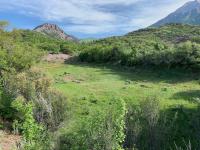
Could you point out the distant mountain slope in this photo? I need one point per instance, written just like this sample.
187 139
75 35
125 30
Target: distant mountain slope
54 31
169 46
187 14
170 33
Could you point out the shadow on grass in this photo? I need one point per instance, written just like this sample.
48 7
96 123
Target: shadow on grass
150 74
176 127
182 127
191 95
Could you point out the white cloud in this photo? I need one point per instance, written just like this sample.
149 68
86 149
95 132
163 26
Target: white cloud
150 15
76 12
58 10
106 2
90 29
86 17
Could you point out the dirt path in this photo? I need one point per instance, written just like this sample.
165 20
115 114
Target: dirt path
57 57
8 141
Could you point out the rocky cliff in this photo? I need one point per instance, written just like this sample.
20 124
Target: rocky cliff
54 31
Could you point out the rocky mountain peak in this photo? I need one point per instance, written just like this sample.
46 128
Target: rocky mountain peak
189 13
54 31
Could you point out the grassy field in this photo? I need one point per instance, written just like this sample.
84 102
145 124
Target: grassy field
101 83
172 87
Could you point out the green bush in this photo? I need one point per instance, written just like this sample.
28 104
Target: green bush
3 24
100 129
142 129
34 136
69 47
51 47
34 86
17 56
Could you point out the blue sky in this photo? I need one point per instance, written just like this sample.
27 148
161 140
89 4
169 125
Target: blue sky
87 18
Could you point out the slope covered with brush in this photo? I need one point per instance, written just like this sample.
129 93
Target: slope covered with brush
44 42
169 45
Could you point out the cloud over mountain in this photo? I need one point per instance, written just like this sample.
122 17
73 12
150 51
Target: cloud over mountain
94 16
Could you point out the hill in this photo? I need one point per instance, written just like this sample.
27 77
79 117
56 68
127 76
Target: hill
54 31
187 14
169 45
44 42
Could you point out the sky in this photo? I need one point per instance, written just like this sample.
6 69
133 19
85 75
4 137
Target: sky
87 18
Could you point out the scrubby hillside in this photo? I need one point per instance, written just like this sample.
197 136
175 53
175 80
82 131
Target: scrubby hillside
169 45
44 42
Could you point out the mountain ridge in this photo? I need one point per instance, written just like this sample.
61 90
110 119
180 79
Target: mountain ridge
189 13
54 31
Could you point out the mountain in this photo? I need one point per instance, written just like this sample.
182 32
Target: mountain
187 14
54 31
168 45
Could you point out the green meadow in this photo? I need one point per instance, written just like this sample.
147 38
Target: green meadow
90 87
172 87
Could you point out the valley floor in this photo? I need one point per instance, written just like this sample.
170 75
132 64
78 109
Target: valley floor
172 87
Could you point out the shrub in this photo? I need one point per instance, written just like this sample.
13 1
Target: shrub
34 136
142 130
17 56
3 24
51 47
69 47
98 130
34 86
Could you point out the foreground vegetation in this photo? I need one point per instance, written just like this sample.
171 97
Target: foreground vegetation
27 100
169 99
141 91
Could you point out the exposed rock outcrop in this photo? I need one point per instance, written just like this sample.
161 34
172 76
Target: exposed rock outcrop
54 31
